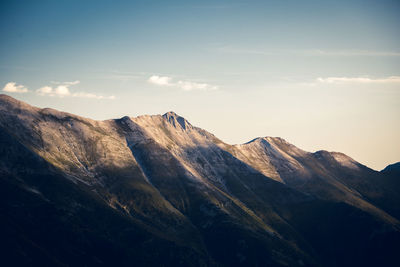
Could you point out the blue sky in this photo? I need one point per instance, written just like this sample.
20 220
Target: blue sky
321 74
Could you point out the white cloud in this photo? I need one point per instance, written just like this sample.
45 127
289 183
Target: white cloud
62 90
160 80
364 80
184 85
45 90
12 87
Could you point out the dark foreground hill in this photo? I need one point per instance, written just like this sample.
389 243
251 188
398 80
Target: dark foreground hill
157 191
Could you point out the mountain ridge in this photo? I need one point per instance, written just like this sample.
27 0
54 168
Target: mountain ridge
222 204
168 115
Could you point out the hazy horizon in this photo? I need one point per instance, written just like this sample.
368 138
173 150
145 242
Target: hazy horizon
322 75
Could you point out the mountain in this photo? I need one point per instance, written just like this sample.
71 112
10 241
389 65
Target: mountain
332 176
392 169
156 190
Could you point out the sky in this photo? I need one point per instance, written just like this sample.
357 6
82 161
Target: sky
320 74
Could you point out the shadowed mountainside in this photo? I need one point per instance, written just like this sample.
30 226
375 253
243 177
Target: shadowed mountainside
155 190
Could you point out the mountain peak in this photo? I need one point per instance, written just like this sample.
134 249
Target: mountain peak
8 99
395 167
177 120
10 103
4 96
170 113
267 139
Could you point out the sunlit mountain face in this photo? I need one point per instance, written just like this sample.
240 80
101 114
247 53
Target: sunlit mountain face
158 191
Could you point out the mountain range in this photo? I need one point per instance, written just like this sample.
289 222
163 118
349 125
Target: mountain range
158 191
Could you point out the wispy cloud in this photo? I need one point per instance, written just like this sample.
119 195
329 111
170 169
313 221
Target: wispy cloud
66 83
62 90
182 84
13 87
123 76
354 53
189 86
89 95
363 80
308 52
220 6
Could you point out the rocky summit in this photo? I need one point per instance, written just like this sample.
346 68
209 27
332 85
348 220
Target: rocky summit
158 191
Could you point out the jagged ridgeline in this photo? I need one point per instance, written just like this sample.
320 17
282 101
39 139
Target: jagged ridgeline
158 191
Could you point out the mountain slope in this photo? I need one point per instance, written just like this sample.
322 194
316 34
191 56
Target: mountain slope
327 175
191 198
47 220
392 169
